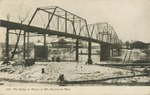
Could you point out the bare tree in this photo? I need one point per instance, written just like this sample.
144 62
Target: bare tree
21 19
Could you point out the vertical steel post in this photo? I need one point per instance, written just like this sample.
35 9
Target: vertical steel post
57 23
45 46
65 22
77 50
24 45
28 47
7 46
89 52
89 49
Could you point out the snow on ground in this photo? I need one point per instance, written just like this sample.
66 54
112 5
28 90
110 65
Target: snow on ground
72 72
130 80
136 54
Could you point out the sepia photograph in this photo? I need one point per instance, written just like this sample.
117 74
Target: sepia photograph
70 46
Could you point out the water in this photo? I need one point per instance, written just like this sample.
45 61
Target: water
70 56
67 54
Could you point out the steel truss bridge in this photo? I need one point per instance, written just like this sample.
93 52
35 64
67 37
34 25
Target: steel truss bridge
57 21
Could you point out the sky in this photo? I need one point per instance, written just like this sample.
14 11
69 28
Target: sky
129 18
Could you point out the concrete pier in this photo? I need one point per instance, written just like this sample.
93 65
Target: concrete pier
105 52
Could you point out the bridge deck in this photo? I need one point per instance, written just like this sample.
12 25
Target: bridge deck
38 30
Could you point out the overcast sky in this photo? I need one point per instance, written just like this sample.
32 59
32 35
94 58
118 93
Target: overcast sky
130 18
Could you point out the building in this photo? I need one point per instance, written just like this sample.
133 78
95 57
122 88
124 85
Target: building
62 43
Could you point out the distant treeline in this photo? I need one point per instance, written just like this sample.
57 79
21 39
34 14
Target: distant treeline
139 45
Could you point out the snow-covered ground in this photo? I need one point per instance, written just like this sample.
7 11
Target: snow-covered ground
72 72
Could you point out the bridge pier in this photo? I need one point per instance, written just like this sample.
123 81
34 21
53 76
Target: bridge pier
89 61
119 52
115 52
77 50
105 52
